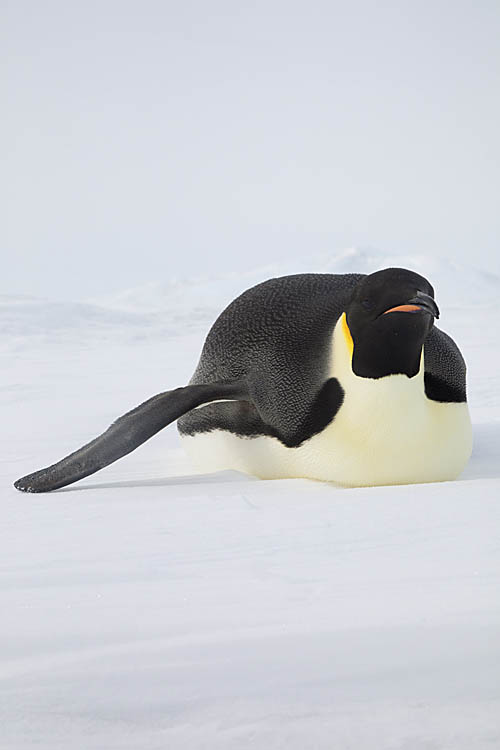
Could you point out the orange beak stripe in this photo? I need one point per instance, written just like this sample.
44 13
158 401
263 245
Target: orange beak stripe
403 308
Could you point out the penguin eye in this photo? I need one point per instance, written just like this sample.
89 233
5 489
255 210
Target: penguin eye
367 304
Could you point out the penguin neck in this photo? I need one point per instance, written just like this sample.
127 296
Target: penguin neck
374 358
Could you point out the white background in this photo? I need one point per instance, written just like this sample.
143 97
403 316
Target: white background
156 139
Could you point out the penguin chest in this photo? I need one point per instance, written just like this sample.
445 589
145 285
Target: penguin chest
388 432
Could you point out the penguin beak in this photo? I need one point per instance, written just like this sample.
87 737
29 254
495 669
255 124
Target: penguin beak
421 302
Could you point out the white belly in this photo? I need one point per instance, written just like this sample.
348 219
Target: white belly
400 451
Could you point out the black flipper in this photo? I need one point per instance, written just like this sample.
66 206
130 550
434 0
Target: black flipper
130 431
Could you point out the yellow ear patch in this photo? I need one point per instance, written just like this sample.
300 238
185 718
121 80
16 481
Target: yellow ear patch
347 334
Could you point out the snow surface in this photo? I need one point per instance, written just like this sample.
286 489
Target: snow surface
150 607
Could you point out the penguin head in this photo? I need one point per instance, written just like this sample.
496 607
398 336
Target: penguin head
389 317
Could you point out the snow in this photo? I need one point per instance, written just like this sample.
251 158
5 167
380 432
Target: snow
151 607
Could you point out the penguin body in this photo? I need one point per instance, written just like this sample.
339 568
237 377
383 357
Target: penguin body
341 378
319 419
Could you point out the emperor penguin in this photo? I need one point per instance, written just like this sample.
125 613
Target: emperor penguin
336 377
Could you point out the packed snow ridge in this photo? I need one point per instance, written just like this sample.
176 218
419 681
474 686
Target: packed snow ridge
159 309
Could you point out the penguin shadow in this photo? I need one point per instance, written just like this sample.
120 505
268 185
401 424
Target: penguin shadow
220 477
485 460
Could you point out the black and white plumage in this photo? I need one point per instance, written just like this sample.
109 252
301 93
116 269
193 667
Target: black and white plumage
335 377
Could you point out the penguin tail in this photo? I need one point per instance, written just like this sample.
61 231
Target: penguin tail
130 431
